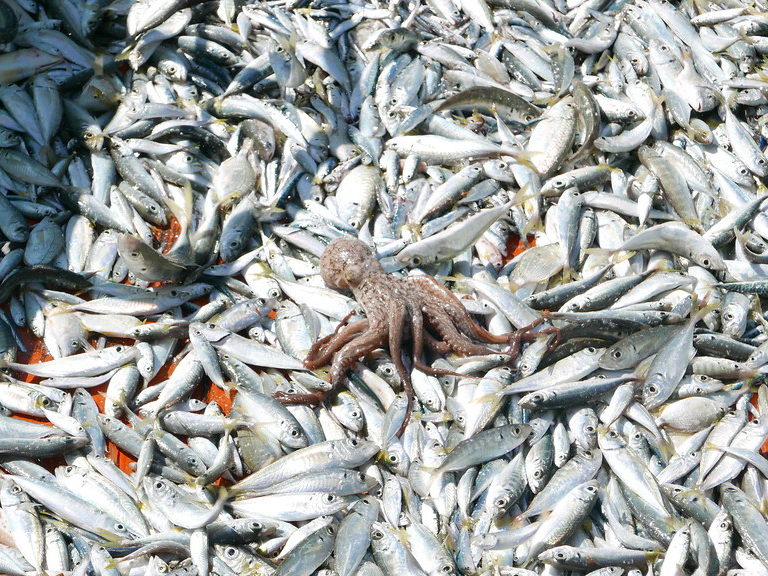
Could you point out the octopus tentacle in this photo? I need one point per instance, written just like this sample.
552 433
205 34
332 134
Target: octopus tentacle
365 343
526 333
320 355
459 343
320 343
396 326
437 346
435 291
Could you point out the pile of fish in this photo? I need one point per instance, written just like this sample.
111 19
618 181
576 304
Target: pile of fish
171 173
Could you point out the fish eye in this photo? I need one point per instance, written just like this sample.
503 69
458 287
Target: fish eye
591 489
705 261
354 414
393 458
158 485
353 442
612 434
590 429
16 489
616 354
231 552
560 556
118 348
631 114
501 165
294 433
273 293
652 389
529 117
119 527
415 261
377 534
68 469
591 350
743 171
330 498
500 502
446 568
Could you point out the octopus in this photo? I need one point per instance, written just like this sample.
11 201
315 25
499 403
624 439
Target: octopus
417 308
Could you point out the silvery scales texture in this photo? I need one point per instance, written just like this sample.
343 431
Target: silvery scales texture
346 183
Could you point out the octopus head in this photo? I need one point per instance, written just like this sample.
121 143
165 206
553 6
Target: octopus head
346 262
